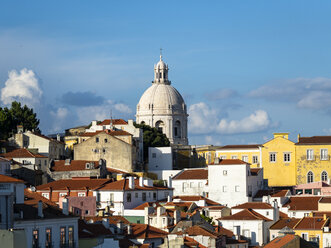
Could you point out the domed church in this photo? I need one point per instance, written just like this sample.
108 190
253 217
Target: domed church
162 106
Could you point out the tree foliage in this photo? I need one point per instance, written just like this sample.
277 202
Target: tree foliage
16 115
152 138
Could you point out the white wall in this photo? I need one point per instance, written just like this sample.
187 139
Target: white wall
159 158
165 174
189 187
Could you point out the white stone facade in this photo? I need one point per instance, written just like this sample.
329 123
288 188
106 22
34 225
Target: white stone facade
159 158
162 106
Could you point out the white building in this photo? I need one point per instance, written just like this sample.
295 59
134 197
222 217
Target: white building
159 158
190 182
130 193
5 166
161 106
232 182
265 209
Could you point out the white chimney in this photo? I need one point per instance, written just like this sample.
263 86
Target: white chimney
65 207
141 181
94 123
169 198
169 182
237 232
40 209
276 211
58 137
176 217
131 182
129 229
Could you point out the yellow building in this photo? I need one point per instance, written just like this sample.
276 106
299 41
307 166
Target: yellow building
207 153
247 153
312 158
278 161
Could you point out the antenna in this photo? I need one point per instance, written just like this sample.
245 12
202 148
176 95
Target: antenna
161 53
111 119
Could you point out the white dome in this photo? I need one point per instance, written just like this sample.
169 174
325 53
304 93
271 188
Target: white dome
161 98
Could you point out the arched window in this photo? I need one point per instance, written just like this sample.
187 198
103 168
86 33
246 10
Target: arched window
159 126
177 129
324 176
310 177
142 123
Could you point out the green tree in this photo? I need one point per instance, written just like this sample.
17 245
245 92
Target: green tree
17 115
152 138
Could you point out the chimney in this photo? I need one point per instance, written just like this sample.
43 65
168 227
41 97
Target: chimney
65 207
67 161
40 209
276 211
169 182
129 229
158 211
58 137
148 211
94 123
120 226
169 198
19 128
141 181
298 137
237 232
176 217
131 182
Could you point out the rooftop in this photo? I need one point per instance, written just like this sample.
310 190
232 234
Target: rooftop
192 174
251 146
75 165
254 205
22 153
114 122
246 214
311 223
229 162
107 131
73 184
303 203
7 179
124 185
289 222
314 140
144 231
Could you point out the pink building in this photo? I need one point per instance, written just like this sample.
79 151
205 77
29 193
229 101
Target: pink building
80 205
315 188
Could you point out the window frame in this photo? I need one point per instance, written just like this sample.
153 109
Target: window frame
310 177
310 154
285 158
324 155
272 157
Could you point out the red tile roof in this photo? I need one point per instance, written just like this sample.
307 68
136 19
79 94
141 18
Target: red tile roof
254 205
325 200
92 230
22 153
74 184
199 230
4 160
311 223
255 171
190 242
289 222
48 138
246 214
282 215
114 121
107 131
124 185
147 204
116 171
230 162
193 198
75 165
144 231
303 203
241 146
281 193
280 241
221 230
7 179
192 174
314 140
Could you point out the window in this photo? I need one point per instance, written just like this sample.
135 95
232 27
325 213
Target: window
225 172
184 186
106 140
46 195
62 235
128 197
324 154
237 188
324 176
144 196
310 154
136 194
87 212
63 194
71 235
200 185
234 157
267 213
255 159
81 194
154 195
272 157
223 157
224 189
166 194
287 157
35 238
308 191
244 158
104 150
191 185
48 238
163 221
304 236
97 139
310 177
153 155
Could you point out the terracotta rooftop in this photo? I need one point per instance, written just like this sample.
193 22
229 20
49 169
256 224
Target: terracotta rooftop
7 179
147 204
92 230
116 171
282 215
30 207
289 222
310 223
224 231
197 230
75 165
325 200
252 146
22 153
107 131
144 231
229 162
4 160
281 241
194 198
255 171
246 214
254 205
303 203
192 174
123 184
48 138
114 121
190 242
73 184
281 193
314 140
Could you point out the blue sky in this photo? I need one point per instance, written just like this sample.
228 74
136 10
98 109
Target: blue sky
246 69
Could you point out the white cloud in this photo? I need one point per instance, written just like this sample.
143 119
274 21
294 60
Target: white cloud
22 86
59 117
213 140
222 94
203 119
258 121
